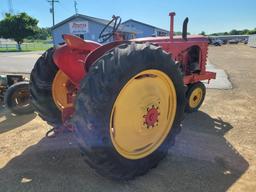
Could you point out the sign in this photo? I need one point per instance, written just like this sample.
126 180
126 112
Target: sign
78 27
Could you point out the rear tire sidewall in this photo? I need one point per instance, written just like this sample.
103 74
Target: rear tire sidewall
115 78
41 80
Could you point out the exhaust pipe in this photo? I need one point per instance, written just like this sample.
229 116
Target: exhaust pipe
185 29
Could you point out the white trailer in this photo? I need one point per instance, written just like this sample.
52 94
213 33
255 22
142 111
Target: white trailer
252 41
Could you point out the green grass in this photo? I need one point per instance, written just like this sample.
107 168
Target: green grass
26 47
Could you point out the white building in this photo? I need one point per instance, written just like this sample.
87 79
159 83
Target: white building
252 41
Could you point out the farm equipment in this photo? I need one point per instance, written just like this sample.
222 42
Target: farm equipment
14 91
125 99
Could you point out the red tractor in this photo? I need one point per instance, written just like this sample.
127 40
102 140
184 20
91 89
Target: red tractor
125 99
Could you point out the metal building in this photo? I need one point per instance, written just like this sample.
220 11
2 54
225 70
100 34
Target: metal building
252 41
89 28
146 30
81 25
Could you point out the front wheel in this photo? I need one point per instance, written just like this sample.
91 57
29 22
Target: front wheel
195 97
128 110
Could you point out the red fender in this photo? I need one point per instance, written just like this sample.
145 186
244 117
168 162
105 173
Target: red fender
70 57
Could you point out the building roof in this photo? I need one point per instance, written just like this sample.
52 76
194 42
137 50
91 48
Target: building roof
145 25
94 19
122 27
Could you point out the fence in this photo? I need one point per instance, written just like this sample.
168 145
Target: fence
25 47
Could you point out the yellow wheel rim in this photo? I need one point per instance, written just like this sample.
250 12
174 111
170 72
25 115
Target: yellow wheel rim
143 114
195 97
60 92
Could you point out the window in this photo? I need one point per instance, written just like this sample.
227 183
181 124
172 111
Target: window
80 35
161 33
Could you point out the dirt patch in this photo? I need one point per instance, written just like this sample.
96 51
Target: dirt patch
214 152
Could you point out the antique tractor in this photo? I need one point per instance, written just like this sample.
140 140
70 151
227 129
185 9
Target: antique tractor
125 99
14 93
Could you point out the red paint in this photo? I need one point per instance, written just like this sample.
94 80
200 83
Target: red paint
75 42
172 14
177 49
77 56
70 58
67 113
151 118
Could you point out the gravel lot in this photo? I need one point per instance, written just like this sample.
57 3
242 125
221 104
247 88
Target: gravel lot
216 150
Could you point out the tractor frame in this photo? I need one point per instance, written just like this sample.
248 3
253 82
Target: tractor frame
75 57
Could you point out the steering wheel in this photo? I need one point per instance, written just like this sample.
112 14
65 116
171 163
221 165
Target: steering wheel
104 35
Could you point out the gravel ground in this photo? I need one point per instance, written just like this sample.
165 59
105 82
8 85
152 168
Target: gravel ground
216 150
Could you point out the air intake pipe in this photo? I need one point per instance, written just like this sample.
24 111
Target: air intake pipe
172 14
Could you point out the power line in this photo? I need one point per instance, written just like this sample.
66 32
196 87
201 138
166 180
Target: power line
52 11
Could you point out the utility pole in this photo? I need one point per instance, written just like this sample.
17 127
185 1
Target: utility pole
10 7
75 5
52 10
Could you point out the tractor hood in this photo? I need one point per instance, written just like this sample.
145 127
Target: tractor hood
194 38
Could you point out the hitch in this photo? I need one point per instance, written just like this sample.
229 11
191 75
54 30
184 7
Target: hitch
55 131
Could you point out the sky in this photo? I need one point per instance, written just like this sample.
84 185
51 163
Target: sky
205 15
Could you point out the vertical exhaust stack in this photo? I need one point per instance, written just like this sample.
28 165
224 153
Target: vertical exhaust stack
185 29
172 14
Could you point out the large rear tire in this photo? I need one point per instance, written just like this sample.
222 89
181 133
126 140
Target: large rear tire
41 79
105 93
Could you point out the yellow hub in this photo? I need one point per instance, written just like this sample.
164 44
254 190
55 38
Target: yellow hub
195 97
60 92
143 114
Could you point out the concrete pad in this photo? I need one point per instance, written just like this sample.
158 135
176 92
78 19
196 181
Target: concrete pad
221 81
18 62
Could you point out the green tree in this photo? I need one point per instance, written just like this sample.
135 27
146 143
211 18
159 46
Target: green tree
202 33
18 27
43 34
179 33
234 32
251 32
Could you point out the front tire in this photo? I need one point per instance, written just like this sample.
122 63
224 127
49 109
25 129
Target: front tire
17 99
114 86
195 97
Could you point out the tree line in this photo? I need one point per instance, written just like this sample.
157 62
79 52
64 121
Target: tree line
233 32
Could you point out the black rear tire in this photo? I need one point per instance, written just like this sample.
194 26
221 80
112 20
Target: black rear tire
41 79
95 101
19 91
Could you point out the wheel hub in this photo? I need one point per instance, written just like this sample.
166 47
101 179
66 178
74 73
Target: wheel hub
195 97
151 118
63 91
137 126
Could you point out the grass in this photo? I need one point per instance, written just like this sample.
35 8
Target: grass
26 47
